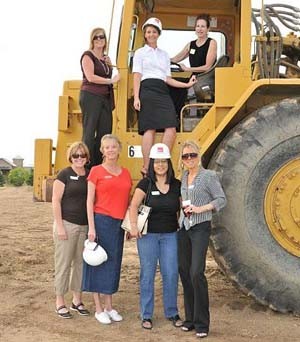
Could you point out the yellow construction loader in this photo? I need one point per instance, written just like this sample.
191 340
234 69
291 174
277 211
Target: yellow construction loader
246 118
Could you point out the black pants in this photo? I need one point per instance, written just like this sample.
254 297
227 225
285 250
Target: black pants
97 121
192 250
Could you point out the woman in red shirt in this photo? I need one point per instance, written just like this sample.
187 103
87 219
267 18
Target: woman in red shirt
108 194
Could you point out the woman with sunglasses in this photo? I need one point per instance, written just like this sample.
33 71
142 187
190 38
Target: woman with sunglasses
201 194
159 245
96 94
151 75
109 187
70 228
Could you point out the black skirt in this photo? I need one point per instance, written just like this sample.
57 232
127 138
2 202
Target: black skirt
157 108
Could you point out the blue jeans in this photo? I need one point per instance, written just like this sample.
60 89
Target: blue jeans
152 248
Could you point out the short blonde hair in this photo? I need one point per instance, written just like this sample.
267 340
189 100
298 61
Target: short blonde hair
192 145
112 137
76 146
95 32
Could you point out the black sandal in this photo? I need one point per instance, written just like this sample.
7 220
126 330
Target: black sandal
63 314
176 321
147 320
82 312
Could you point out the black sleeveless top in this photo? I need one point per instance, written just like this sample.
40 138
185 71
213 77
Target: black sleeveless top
198 58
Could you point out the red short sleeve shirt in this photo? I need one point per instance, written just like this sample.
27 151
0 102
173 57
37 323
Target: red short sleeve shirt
111 192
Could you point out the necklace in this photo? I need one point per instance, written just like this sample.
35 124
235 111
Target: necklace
104 66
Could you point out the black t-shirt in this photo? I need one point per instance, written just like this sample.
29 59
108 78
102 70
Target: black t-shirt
73 202
163 217
197 54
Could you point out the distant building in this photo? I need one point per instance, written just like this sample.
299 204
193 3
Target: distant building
18 161
6 166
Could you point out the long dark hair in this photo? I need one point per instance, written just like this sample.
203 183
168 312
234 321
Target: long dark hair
170 173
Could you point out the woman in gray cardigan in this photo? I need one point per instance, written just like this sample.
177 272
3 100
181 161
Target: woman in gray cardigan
201 194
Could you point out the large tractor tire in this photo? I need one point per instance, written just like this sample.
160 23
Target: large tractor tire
256 237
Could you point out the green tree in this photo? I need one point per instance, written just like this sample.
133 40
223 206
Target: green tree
29 179
17 176
2 180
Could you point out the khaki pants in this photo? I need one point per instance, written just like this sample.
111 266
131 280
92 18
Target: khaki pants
68 258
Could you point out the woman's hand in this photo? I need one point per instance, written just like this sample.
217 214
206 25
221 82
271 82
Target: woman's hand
137 104
135 233
115 78
92 234
107 59
184 67
61 233
192 81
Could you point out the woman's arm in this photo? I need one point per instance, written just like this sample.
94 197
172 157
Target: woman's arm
90 210
136 90
210 59
181 55
136 201
177 84
57 194
88 69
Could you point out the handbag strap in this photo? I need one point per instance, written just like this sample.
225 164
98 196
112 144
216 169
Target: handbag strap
146 198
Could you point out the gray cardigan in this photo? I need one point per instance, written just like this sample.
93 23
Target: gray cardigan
205 189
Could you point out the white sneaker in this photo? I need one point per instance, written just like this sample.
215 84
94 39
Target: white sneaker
114 315
102 317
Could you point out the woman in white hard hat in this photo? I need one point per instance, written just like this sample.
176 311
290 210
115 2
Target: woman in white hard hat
151 75
70 228
162 191
109 187
201 194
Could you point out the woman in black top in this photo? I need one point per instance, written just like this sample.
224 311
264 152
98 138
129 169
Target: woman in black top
70 228
162 190
202 52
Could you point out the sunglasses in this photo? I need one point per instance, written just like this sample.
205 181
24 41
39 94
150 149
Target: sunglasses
192 155
77 155
99 37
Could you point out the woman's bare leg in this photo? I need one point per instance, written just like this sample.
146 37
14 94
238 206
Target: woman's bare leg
169 137
147 142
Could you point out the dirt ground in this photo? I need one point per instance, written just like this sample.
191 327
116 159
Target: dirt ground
27 297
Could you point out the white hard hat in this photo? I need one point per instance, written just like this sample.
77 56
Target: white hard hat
153 22
93 254
160 151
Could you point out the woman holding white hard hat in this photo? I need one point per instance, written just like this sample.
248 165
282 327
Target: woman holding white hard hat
160 242
151 75
109 187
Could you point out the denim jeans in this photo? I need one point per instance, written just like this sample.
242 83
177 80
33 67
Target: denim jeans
162 248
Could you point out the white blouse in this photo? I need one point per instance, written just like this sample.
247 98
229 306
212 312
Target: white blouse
151 63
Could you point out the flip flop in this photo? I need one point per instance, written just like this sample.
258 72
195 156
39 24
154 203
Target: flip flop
147 323
176 321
